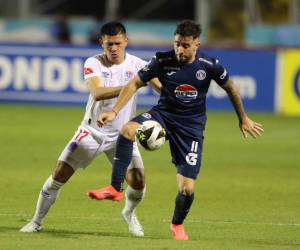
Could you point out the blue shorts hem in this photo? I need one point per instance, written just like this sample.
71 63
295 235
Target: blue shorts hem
186 171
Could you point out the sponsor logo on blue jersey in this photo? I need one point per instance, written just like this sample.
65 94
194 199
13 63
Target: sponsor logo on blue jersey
186 92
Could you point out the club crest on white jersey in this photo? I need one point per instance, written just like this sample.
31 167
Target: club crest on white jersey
128 75
105 74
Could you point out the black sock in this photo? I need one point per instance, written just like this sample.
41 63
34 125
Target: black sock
121 162
182 207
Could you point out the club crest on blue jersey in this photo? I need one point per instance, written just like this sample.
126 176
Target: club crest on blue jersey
186 92
200 74
147 115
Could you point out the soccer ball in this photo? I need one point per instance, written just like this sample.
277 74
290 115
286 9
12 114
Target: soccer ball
151 135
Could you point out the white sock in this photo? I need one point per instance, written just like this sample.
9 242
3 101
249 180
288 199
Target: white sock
133 198
47 197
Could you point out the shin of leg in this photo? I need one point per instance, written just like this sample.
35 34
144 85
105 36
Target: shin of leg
50 190
184 198
135 191
133 198
136 184
136 187
61 175
122 159
182 207
46 199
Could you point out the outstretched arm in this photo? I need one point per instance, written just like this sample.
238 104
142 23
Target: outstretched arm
126 93
247 126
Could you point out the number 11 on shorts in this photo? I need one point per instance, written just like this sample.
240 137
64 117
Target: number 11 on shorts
191 158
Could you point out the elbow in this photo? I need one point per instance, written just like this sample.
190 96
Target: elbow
98 94
97 97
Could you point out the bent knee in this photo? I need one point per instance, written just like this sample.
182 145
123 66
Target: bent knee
62 172
129 129
187 189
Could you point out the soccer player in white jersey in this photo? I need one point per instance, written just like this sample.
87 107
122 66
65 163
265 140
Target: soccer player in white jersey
104 74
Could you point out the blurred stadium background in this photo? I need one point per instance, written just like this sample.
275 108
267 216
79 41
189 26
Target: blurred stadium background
43 45
249 193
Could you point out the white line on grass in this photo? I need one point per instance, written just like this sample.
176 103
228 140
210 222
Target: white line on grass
91 217
240 222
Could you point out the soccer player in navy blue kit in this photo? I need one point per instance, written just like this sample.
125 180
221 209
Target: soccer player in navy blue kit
185 74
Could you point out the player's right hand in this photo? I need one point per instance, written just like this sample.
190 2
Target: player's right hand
105 118
247 126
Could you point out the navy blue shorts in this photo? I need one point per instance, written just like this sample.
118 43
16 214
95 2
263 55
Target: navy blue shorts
185 146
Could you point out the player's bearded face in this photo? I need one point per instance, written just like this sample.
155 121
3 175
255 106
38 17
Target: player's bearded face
185 48
114 47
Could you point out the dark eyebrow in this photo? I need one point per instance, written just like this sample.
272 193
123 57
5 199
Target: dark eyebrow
182 43
112 43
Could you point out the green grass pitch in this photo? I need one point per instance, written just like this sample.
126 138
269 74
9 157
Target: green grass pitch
247 194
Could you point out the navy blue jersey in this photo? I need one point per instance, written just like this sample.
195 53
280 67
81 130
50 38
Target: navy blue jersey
184 86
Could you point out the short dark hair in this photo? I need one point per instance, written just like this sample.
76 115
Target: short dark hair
188 28
112 29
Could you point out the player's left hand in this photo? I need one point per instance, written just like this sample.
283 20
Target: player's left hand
247 126
105 118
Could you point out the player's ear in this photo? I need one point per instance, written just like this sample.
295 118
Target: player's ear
126 40
100 41
198 43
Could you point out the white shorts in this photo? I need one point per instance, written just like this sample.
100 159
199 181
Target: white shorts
85 146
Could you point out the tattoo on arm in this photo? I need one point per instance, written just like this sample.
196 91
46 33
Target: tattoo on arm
235 99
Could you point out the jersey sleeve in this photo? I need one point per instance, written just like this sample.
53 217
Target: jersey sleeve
219 73
140 64
91 68
149 71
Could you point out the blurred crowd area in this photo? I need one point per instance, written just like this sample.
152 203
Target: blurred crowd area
225 22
